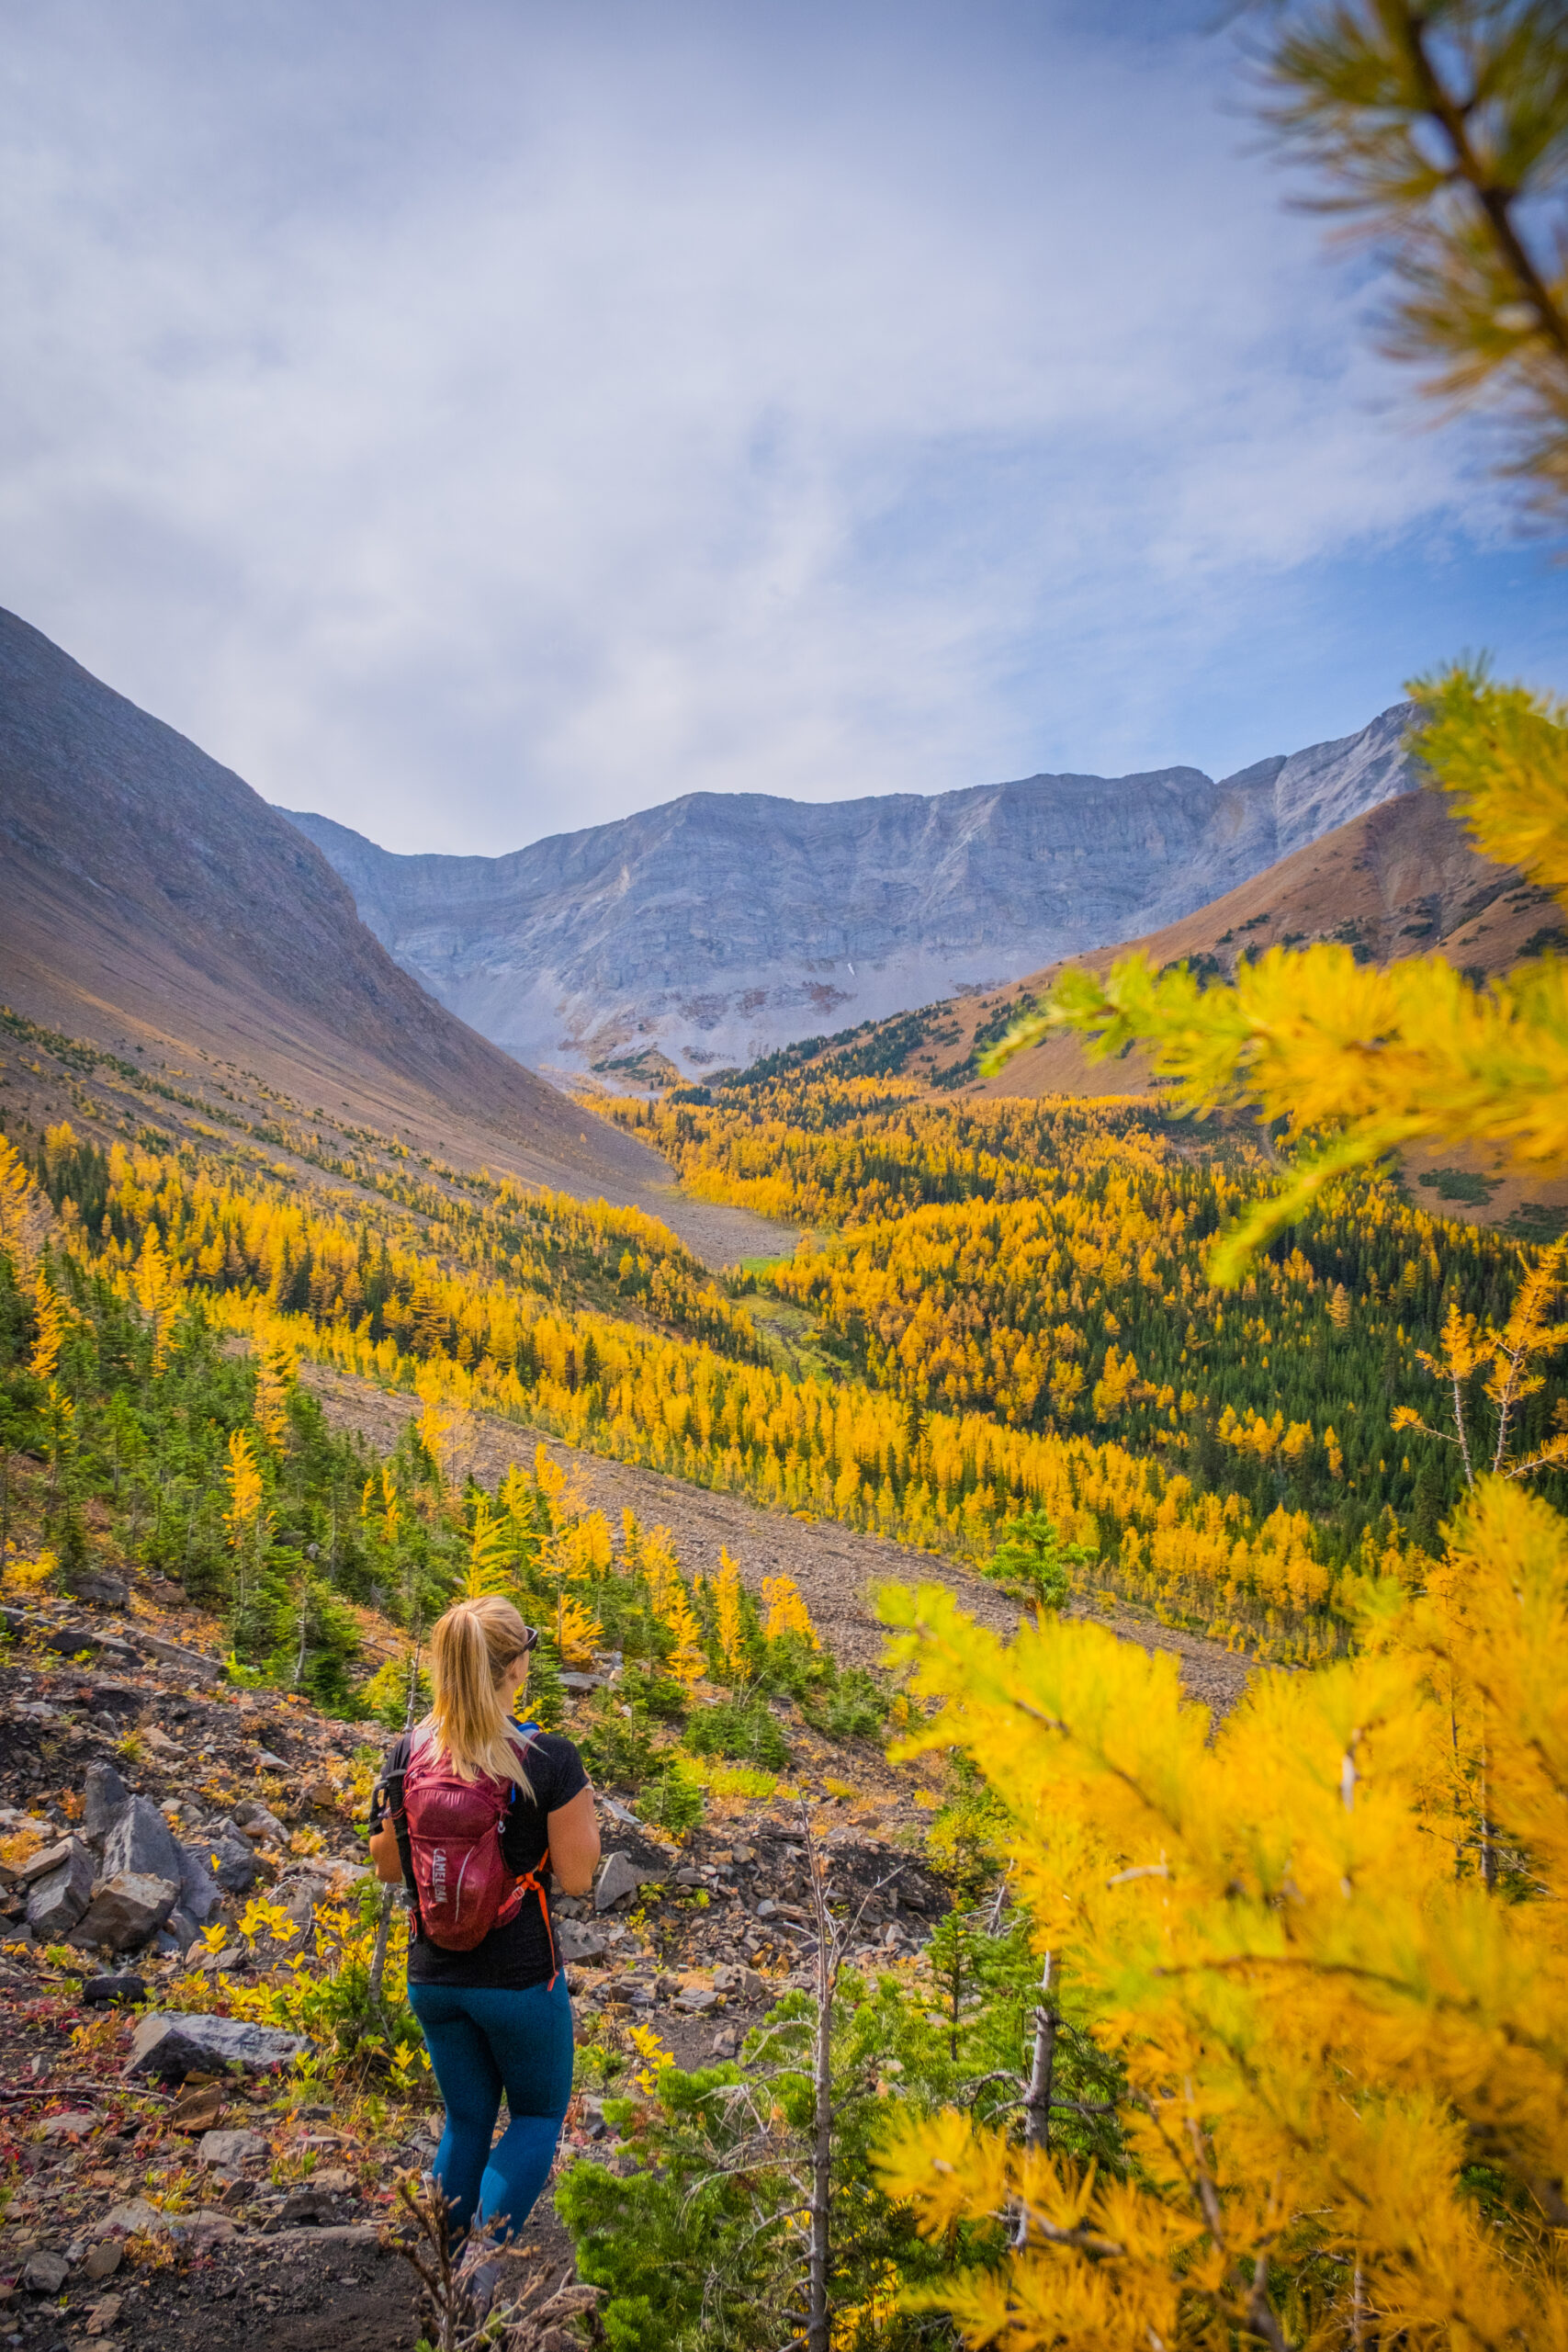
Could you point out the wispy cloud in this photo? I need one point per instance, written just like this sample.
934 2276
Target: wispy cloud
475 423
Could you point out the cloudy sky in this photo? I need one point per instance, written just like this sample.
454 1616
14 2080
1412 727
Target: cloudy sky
481 419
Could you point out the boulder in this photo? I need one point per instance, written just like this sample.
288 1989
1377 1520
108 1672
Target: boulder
75 2126
113 1992
98 1590
125 1910
729 1978
106 1798
45 2273
177 2046
135 2217
205 1669
232 2150
201 1896
143 1844
178 1933
231 1858
58 1900
619 1877
209 2228
303 2205
575 1942
262 1828
103 2259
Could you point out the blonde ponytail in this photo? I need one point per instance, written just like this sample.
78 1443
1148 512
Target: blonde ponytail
470 1649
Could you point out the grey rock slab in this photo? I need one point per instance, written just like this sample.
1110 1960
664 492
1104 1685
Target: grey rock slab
619 1877
350 2233
696 2000
205 1669
574 1941
56 1902
121 1991
49 1857
98 1590
142 1843
236 2148
45 2273
75 2126
106 1797
304 2205
232 1858
200 1894
135 2216
209 2227
168 2045
257 1824
125 1910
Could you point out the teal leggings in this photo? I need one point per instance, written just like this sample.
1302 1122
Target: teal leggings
480 2044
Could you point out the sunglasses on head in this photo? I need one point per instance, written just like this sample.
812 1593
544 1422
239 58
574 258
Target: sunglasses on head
530 1640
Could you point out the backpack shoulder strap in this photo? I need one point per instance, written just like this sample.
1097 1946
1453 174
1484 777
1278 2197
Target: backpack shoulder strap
397 1813
532 1881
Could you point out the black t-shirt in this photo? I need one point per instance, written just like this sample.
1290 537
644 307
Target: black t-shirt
517 1953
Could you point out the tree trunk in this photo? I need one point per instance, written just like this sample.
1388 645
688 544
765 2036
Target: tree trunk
818 2330
1037 2099
378 1956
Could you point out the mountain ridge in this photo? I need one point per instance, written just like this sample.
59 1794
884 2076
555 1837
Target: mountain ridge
717 926
156 906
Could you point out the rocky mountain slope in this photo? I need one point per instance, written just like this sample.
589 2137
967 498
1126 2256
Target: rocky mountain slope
155 905
720 926
1399 880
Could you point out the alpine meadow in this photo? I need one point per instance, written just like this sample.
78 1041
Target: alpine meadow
1062 1593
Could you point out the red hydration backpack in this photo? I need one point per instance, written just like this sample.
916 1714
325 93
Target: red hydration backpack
451 1842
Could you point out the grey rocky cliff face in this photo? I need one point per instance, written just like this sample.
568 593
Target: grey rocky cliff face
720 926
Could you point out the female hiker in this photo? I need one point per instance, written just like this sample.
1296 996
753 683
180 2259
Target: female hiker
469 1806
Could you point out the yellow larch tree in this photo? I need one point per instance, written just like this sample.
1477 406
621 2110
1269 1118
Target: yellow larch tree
50 1322
491 1565
578 1633
248 1523
19 1207
155 1285
726 1607
787 1611
1289 1935
380 1505
278 1371
672 1605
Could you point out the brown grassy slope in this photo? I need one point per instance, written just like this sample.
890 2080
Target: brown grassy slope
154 904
